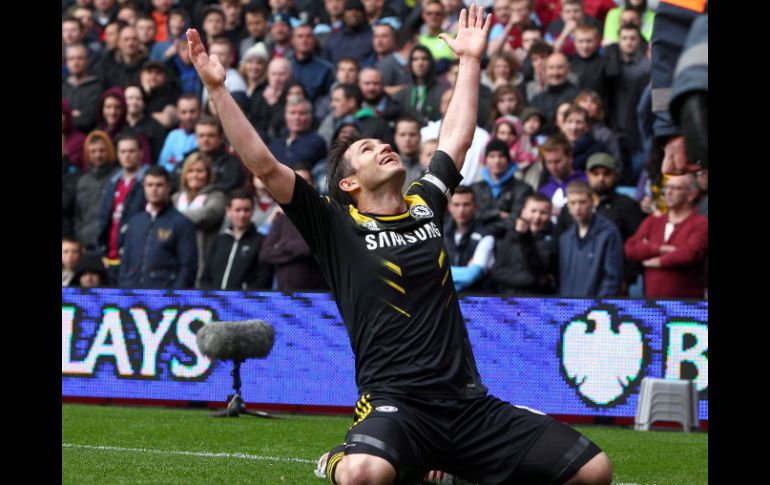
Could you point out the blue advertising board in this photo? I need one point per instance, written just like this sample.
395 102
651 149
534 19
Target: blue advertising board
583 357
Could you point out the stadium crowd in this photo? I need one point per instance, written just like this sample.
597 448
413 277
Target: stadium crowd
562 191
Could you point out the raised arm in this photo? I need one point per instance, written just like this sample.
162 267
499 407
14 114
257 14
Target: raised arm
278 178
459 122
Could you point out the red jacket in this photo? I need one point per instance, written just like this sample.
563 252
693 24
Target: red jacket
681 271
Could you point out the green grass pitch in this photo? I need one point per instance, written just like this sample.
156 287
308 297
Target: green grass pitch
138 445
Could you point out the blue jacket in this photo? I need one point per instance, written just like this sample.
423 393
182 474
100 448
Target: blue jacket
160 252
316 75
591 266
351 43
133 204
308 147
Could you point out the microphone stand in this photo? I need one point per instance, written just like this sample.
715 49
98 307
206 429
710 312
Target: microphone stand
235 405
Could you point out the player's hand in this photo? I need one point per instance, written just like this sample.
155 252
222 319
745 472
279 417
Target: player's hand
675 161
472 34
210 70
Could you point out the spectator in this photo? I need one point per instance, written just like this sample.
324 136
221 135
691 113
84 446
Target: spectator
673 246
255 17
161 13
592 103
178 22
525 258
200 201
330 20
375 97
559 88
315 74
145 32
279 41
537 57
508 129
615 18
346 72
630 68
395 66
346 101
159 249
69 179
234 29
227 172
180 65
232 261
407 140
512 18
266 207
213 24
532 173
181 141
284 247
702 202
71 252
301 144
470 247
561 32
72 138
354 39
111 118
261 108
161 92
122 66
253 68
122 199
383 40
500 196
578 132
137 120
501 71
81 89
587 62
506 101
433 15
421 98
90 273
557 157
591 251
100 159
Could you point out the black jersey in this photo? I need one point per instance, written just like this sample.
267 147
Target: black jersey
391 279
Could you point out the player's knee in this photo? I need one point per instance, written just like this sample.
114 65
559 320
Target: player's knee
364 470
598 471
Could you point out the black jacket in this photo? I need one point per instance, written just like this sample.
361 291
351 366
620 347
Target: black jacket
512 198
233 264
521 259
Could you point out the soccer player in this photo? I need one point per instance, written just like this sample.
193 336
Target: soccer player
423 405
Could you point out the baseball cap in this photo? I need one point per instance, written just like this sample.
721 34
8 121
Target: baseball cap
601 159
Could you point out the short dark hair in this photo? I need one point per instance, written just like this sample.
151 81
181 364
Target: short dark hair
536 197
340 167
350 90
464 189
211 121
256 9
157 171
407 119
72 18
189 97
239 193
629 26
71 240
128 136
350 60
558 141
579 110
540 48
208 10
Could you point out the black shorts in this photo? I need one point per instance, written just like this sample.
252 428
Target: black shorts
484 440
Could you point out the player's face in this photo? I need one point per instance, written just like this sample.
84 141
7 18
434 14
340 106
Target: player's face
580 207
536 213
375 163
462 207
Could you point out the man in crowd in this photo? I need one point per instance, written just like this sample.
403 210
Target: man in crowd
470 248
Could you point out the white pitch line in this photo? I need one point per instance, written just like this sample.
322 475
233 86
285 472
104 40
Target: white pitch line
204 454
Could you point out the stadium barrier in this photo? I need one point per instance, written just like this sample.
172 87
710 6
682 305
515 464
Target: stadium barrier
580 358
